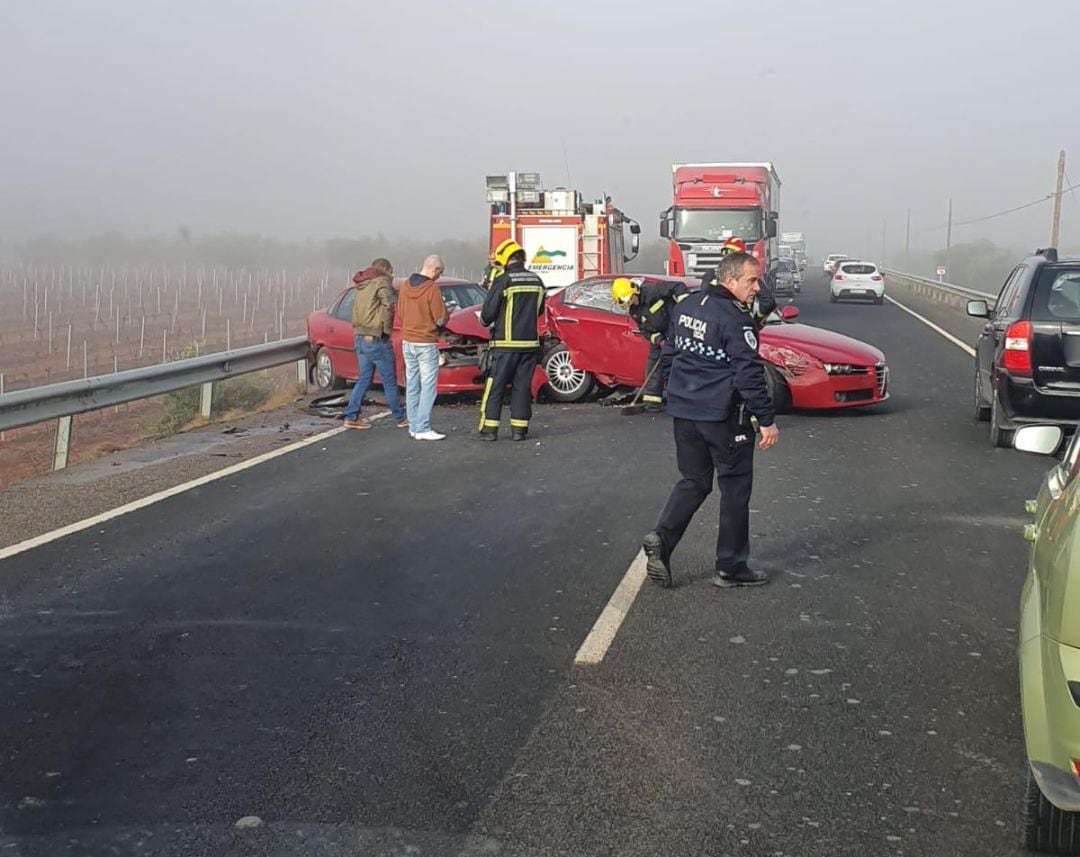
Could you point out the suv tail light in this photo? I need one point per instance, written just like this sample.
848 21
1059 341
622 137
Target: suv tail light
1017 355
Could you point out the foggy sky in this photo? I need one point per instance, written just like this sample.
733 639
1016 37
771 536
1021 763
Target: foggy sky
313 119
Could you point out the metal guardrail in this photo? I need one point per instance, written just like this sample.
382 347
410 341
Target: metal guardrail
64 400
946 288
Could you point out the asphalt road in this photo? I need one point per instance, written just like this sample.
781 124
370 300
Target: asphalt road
366 647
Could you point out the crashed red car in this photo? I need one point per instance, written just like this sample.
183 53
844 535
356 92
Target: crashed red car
588 341
332 350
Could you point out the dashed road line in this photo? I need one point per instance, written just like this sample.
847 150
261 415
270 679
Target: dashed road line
598 642
957 342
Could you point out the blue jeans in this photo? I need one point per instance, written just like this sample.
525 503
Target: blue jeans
421 382
376 353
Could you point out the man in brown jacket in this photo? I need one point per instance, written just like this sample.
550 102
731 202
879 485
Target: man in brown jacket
423 317
373 321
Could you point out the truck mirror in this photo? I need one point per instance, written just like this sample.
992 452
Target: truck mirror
665 231
770 228
635 245
635 228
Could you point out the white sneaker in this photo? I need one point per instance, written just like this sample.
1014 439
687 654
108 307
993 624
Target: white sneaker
429 435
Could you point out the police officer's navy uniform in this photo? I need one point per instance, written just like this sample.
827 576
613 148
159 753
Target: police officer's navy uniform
717 382
653 316
513 303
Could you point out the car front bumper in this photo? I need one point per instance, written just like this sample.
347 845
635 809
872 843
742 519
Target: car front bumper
1052 718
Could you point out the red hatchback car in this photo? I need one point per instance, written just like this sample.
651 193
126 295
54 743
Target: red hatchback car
588 340
332 354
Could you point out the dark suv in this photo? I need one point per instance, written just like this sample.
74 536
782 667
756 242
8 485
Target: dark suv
1027 359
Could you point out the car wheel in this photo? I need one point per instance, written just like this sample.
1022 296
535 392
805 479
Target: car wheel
778 389
998 436
879 300
1047 828
323 375
566 381
982 410
832 298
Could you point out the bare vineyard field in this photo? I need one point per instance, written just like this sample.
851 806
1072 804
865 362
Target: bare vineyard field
59 323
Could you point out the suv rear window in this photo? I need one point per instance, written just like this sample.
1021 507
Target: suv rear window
858 269
1057 295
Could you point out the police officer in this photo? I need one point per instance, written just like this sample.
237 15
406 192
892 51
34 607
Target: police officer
513 303
717 384
650 306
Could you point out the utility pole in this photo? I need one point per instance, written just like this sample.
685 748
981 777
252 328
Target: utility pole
1055 225
907 240
948 238
884 226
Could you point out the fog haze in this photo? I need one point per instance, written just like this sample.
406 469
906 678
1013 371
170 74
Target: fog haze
314 119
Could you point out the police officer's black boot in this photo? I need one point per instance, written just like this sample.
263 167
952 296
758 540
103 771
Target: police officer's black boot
519 434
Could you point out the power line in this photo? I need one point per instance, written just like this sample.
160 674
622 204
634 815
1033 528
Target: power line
1069 180
1046 198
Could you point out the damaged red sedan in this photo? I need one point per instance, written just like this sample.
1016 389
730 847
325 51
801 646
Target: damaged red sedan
332 350
588 341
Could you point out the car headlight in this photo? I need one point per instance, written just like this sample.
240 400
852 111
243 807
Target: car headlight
838 368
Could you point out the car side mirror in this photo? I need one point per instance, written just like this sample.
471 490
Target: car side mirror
1042 440
789 312
978 309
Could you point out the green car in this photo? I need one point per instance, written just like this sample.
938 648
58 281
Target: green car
1050 649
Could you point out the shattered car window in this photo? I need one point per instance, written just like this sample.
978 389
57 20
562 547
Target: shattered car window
594 294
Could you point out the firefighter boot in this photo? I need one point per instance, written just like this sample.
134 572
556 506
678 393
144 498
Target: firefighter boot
519 434
486 434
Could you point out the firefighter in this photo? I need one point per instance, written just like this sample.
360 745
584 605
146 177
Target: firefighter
717 386
513 303
650 306
493 270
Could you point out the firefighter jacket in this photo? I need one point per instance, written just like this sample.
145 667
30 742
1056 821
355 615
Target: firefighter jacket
511 309
716 365
653 310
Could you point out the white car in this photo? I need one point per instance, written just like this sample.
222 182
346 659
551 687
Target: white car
857 280
829 265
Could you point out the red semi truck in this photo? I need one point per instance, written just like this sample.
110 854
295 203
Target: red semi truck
714 202
565 238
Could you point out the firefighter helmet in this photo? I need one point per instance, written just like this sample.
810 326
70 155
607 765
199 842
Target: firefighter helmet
505 250
733 245
622 289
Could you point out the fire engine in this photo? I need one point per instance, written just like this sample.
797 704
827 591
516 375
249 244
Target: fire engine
565 238
714 202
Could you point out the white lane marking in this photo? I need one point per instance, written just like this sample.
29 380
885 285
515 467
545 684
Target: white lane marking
957 342
149 500
594 648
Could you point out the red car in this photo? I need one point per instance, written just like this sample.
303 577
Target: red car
332 354
589 341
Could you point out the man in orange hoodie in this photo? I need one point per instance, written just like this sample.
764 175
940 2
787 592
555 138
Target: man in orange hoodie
423 316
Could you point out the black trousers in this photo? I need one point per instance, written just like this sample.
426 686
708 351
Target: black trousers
653 394
702 449
508 367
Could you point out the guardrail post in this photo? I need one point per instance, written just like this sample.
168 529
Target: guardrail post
63 443
206 399
301 373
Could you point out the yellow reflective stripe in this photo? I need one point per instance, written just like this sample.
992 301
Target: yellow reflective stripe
654 337
516 343
656 307
519 423
653 399
521 290
680 298
508 315
484 401
489 424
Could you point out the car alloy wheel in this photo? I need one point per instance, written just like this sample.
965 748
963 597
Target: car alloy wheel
568 383
325 379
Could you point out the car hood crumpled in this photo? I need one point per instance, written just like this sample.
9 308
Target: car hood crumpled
824 345
466 322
